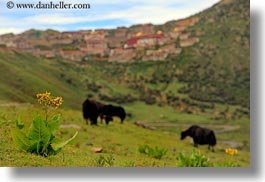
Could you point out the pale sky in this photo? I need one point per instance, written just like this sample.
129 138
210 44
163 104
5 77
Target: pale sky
102 14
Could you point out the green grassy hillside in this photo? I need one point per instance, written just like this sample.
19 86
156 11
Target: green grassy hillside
23 76
217 68
131 85
121 142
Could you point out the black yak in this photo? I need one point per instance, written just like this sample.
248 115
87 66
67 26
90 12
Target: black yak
110 110
200 136
91 111
106 118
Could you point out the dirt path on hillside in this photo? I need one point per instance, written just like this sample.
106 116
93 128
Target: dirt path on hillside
16 105
219 128
9 104
70 126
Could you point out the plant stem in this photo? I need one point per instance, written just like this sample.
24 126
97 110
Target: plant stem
46 115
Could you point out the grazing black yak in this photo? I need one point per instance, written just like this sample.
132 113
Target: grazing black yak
91 110
200 136
106 118
110 110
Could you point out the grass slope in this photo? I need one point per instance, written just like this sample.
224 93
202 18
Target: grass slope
219 64
23 75
119 142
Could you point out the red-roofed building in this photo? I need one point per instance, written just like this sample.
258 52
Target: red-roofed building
146 41
95 43
75 55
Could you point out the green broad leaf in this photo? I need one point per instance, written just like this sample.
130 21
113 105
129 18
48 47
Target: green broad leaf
20 139
40 134
19 124
58 145
33 147
54 124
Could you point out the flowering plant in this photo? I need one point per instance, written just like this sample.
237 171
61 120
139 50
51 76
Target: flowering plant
41 138
47 100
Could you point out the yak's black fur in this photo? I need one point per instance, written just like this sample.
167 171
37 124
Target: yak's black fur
111 110
92 109
200 136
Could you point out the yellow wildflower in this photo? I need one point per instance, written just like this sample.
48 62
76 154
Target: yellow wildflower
47 100
231 151
43 98
56 102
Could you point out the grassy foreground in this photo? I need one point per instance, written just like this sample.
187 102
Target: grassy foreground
120 142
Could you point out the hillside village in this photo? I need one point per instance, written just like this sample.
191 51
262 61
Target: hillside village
139 42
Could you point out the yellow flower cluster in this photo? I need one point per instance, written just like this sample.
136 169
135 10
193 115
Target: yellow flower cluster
43 98
231 151
47 100
56 102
